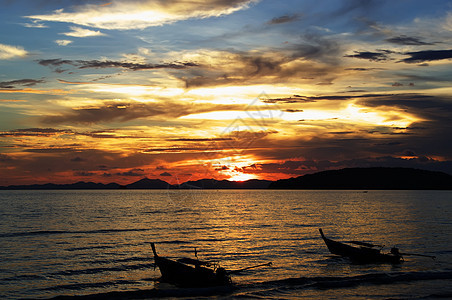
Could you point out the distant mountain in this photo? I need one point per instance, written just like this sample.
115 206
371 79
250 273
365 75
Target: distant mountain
146 183
225 184
369 179
353 178
81 185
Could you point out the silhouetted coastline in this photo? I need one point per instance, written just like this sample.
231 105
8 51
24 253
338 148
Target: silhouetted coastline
343 179
369 179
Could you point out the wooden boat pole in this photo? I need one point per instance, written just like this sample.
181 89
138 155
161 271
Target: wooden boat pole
252 267
321 233
153 249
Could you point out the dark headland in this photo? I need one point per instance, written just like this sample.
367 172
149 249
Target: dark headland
350 179
369 179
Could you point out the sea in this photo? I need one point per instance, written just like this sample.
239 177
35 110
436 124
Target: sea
95 244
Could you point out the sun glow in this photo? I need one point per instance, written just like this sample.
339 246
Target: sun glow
238 176
354 114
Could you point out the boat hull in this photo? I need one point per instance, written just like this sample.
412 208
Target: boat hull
360 254
185 275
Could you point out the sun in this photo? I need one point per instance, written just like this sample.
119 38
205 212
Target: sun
241 177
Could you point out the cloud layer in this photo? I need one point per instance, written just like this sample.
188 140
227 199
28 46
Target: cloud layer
125 15
189 89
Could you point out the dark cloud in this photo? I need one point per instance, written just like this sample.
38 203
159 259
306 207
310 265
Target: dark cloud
175 149
84 173
372 56
259 69
302 167
97 64
5 158
77 159
342 132
132 172
407 40
200 139
132 66
110 134
427 55
37 164
409 153
418 103
293 99
55 62
284 19
166 174
427 136
425 78
317 47
45 132
363 69
123 112
234 141
51 132
21 82
308 99
51 150
315 59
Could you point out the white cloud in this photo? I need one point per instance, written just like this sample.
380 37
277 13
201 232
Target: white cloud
82 32
7 51
63 42
137 14
35 24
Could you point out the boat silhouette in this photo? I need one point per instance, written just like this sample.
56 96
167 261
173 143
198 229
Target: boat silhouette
363 253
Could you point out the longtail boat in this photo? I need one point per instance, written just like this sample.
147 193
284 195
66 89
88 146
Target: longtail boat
189 272
364 253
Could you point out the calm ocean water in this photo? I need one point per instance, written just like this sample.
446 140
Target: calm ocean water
55 243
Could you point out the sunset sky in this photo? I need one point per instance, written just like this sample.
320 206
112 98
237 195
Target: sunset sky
114 91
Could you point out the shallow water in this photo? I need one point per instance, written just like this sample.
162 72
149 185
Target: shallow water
93 242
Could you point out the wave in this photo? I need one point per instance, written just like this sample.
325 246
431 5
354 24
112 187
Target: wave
115 260
326 282
154 293
157 211
57 232
88 248
263 289
101 270
88 285
24 277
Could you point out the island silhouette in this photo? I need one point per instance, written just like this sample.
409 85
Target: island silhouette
379 178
